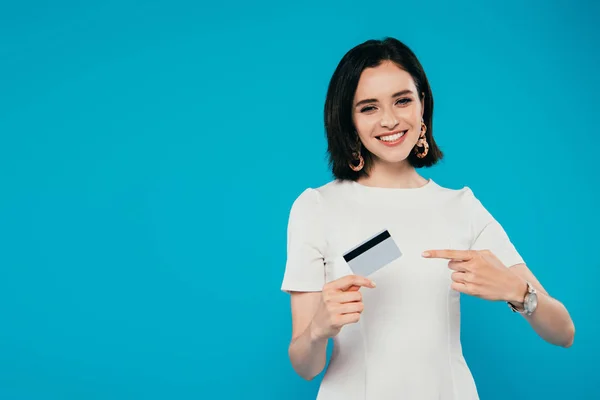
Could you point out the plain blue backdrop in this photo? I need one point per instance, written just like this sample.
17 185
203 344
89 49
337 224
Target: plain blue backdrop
150 153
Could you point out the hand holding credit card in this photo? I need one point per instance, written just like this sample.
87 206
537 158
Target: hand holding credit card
372 254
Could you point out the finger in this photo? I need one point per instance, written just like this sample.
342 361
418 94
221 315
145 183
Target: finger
349 308
458 266
348 297
346 319
348 281
459 277
353 288
457 255
460 287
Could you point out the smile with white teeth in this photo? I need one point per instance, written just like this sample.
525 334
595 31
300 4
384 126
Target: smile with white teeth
392 138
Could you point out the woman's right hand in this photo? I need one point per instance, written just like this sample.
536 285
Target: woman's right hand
341 304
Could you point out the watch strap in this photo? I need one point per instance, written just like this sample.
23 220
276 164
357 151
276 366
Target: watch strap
530 290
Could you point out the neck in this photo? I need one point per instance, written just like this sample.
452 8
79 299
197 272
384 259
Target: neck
401 175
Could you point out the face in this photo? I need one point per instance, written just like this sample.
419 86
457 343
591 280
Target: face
387 112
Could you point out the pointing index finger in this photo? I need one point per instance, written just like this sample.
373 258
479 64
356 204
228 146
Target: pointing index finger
456 255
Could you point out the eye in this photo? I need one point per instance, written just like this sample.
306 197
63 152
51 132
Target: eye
367 109
403 101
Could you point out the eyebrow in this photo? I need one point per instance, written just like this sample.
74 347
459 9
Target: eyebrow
400 93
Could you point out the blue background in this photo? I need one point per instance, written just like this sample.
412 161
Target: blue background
150 152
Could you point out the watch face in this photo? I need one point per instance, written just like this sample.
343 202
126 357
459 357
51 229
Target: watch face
531 302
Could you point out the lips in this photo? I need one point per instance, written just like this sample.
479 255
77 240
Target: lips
392 138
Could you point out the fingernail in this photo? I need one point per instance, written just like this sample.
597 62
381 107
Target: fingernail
425 254
373 284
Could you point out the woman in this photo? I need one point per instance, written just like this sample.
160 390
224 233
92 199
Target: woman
423 244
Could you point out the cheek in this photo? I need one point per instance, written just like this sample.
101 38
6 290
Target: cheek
409 114
413 117
364 125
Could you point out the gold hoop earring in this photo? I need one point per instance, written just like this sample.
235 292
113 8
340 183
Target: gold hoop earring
357 156
361 162
422 143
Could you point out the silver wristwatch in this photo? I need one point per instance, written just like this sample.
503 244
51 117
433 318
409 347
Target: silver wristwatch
530 302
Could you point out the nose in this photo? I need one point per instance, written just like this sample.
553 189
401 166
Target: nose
388 120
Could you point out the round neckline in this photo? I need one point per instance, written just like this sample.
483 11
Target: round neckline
378 196
382 189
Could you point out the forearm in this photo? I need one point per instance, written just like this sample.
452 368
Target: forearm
308 354
550 320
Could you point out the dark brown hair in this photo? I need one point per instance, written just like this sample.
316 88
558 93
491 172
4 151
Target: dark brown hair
339 126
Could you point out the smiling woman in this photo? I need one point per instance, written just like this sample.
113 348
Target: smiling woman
423 244
379 95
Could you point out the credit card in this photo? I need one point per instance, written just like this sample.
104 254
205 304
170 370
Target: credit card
372 254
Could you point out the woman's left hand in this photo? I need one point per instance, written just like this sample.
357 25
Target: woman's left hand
482 274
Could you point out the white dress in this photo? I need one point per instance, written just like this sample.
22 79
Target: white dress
407 342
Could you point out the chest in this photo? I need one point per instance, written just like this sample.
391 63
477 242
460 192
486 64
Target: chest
413 230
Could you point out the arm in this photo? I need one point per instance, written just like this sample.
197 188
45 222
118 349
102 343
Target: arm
482 274
494 270
307 352
318 316
551 320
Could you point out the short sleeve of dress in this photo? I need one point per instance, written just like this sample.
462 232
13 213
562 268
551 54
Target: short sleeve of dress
305 267
488 234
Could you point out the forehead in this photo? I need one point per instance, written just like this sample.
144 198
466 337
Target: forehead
383 81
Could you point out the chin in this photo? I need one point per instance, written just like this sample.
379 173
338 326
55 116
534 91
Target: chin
392 156
393 161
